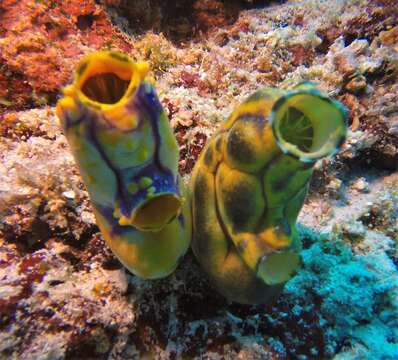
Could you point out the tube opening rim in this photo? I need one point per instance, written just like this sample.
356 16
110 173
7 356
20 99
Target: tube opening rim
139 217
330 145
107 62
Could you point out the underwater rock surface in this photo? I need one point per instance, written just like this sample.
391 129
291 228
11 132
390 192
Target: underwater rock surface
63 294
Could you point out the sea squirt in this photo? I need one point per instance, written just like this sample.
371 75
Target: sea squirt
250 183
128 158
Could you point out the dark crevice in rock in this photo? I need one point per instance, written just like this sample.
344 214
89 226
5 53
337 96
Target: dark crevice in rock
84 22
184 19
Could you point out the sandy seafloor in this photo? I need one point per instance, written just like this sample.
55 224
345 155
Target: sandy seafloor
63 295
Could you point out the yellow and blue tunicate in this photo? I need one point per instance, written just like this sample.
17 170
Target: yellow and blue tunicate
250 183
128 159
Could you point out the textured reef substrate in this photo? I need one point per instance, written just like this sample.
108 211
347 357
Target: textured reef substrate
63 295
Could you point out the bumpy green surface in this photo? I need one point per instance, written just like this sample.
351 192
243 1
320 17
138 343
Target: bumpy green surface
250 183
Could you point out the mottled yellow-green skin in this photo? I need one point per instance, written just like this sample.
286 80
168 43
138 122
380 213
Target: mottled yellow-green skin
246 194
128 157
